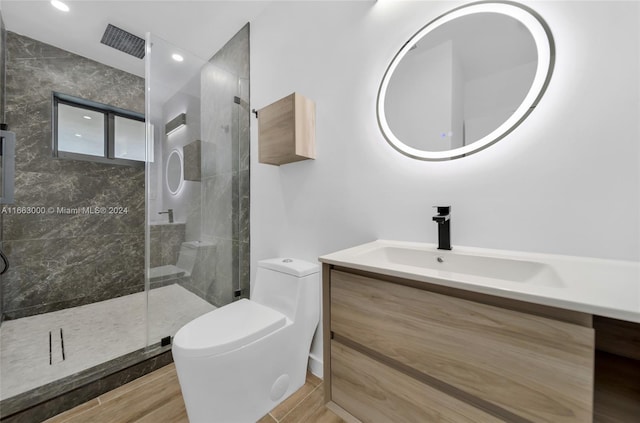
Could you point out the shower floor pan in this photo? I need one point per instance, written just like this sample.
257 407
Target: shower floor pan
40 349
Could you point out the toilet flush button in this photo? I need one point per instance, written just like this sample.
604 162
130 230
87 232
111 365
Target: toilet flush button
287 261
279 387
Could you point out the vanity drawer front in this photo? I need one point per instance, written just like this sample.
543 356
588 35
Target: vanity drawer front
529 366
373 392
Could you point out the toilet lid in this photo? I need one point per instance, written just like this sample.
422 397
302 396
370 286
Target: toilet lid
227 328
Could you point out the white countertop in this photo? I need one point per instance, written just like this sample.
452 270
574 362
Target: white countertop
609 288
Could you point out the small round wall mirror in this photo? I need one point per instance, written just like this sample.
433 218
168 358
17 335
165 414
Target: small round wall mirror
174 172
465 80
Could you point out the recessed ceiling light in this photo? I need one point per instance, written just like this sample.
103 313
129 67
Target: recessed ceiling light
79 135
177 57
87 117
60 5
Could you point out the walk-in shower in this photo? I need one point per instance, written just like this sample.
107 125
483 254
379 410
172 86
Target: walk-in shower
100 279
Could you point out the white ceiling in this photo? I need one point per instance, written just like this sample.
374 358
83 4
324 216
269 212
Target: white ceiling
200 27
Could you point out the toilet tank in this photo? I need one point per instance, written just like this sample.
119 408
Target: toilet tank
287 285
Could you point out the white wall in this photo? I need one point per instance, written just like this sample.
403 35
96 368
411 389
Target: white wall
566 181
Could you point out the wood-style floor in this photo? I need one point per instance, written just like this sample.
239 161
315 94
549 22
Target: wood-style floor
156 398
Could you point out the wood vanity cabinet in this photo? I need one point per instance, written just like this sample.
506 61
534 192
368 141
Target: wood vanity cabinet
398 350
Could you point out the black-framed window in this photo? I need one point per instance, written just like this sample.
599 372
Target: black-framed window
91 131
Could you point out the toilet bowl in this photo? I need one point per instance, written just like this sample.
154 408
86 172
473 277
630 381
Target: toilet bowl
238 362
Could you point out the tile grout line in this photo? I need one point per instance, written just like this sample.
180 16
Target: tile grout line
123 389
101 402
297 405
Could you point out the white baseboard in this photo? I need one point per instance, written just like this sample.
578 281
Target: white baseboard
315 365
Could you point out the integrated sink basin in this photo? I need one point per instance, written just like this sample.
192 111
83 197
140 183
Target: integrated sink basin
609 288
448 263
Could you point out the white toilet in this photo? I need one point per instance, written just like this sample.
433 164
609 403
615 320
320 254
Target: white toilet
239 361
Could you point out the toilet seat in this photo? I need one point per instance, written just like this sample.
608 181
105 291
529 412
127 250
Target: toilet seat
227 328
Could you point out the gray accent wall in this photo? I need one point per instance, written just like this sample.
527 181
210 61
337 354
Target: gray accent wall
62 260
225 131
3 37
3 56
165 240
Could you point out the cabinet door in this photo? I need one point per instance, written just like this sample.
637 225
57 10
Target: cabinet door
373 392
528 366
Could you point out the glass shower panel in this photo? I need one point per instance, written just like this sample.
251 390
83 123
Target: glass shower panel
197 229
243 140
181 260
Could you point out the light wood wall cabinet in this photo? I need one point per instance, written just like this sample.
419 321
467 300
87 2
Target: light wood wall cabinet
397 350
286 130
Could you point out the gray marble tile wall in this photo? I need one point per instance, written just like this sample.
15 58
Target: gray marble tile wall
225 165
3 37
165 242
63 260
192 161
202 280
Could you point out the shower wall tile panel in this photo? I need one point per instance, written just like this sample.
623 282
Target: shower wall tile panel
218 206
243 215
3 37
218 88
62 260
221 292
3 50
244 125
192 161
165 243
244 136
202 279
234 56
225 166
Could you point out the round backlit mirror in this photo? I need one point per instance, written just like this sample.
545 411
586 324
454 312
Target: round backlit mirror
465 80
174 172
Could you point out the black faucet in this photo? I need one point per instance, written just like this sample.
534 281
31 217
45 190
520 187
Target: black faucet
443 219
170 213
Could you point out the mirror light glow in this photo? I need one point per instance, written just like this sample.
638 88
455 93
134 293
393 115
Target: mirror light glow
60 5
546 57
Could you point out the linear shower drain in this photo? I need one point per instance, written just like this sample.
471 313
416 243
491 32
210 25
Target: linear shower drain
51 347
